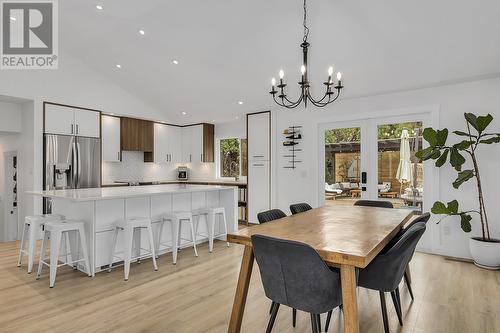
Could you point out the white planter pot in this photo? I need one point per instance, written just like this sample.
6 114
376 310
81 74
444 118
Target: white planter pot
485 254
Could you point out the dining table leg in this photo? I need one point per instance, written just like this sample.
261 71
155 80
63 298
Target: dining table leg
240 296
349 299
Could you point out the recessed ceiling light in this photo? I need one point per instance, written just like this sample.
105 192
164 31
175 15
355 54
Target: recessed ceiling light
141 32
118 66
175 62
240 102
12 18
184 113
100 7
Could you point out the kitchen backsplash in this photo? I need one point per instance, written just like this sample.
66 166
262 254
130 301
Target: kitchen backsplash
133 168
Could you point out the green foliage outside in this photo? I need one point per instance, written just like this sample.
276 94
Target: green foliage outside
231 157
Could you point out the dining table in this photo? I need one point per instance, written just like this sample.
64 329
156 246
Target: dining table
347 237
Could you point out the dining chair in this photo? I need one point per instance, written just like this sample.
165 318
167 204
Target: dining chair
294 274
300 208
424 218
374 203
270 215
386 271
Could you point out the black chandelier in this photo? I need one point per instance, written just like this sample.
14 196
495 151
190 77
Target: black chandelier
330 96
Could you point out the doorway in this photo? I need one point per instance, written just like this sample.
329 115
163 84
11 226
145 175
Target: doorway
374 159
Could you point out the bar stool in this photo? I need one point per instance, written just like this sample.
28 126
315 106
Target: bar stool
54 231
177 218
211 216
129 226
32 226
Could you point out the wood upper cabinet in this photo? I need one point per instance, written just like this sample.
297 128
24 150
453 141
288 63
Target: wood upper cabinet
208 143
137 135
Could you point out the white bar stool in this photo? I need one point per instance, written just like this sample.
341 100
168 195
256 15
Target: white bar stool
32 227
54 231
177 218
212 216
129 226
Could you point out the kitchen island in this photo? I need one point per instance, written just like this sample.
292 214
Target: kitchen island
100 208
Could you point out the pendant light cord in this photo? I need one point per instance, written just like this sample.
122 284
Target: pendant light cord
306 28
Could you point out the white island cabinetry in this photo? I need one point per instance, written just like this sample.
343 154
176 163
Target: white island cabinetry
100 208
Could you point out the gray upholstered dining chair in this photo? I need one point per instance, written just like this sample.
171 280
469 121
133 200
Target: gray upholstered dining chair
424 218
374 203
386 271
300 207
270 215
294 274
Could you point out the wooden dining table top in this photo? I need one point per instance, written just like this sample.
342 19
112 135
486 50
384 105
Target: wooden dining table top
349 235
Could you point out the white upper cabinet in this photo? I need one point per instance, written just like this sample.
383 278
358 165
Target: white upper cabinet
59 120
175 146
111 150
259 140
161 144
197 143
192 144
167 144
87 123
71 121
187 156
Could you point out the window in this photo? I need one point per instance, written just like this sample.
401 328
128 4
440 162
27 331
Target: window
233 157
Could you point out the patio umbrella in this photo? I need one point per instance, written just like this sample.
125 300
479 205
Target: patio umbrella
405 171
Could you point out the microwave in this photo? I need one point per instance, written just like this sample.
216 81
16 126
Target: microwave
182 173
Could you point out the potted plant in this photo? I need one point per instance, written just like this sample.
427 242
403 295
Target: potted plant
485 250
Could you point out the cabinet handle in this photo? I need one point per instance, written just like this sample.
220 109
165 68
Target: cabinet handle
72 128
201 157
190 159
258 165
76 128
258 155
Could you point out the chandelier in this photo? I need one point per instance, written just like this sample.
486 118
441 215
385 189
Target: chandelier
330 96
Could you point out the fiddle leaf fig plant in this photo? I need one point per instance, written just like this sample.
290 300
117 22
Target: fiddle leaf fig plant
456 154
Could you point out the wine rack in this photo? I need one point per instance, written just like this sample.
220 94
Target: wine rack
293 136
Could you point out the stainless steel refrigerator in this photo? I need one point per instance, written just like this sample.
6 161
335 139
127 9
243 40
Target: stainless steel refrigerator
71 162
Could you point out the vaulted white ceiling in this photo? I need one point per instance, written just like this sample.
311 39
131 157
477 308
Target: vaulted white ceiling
228 50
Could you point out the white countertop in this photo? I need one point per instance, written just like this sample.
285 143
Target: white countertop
92 194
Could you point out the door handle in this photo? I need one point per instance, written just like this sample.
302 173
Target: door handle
79 165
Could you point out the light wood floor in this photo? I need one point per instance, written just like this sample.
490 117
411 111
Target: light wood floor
196 296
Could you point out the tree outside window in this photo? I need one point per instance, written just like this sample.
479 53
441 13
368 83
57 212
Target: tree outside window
233 161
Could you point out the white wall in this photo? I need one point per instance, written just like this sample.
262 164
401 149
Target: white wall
452 101
10 117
